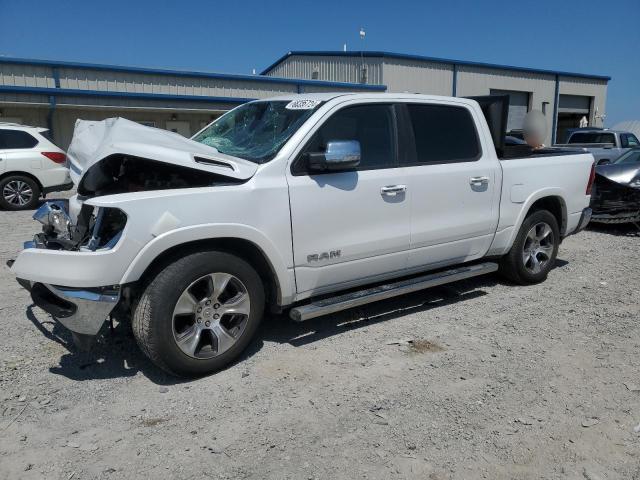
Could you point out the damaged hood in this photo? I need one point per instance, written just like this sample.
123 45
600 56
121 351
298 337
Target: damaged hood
623 173
94 141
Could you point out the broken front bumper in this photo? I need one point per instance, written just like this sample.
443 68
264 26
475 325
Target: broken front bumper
83 311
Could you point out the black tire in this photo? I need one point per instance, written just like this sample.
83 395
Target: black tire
153 319
9 184
512 265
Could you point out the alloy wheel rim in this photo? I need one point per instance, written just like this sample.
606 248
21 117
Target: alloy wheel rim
538 247
210 315
17 192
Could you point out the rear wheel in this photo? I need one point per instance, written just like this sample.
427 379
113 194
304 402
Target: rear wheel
534 251
18 192
199 313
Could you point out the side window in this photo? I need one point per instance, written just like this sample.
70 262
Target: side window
443 134
371 125
632 140
624 142
14 139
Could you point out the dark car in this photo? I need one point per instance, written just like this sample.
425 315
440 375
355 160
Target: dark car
516 133
616 194
510 140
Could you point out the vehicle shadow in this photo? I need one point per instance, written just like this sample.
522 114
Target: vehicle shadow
283 330
299 334
618 229
116 354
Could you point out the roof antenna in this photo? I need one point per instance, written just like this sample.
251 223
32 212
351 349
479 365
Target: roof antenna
254 71
344 47
363 75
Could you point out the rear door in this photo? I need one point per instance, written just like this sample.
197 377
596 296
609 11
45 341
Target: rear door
18 150
455 180
350 227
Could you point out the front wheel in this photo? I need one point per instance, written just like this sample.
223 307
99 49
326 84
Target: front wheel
199 313
534 251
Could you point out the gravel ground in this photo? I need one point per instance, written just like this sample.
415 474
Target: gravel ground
479 379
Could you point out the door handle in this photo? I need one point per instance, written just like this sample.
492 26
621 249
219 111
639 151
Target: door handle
392 190
479 181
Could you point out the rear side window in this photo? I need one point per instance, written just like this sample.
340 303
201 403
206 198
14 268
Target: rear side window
443 134
371 125
14 139
628 140
592 137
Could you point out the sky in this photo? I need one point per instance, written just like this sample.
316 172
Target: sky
236 36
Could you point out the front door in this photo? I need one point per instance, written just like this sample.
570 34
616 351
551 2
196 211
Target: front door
350 227
454 181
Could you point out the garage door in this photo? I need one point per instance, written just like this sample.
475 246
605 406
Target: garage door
518 107
574 104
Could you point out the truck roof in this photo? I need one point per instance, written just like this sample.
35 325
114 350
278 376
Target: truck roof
366 95
598 130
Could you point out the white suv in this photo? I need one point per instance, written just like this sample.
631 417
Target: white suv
30 166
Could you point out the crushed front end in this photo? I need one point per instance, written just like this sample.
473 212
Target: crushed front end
83 310
129 178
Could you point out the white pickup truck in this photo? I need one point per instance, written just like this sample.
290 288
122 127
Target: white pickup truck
306 203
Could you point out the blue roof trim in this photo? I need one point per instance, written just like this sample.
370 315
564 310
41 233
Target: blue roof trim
185 73
101 93
450 61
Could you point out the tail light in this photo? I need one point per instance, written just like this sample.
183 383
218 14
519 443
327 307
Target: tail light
592 177
57 157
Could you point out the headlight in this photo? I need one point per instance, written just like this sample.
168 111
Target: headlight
53 215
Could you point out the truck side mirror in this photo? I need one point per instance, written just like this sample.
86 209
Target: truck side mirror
339 155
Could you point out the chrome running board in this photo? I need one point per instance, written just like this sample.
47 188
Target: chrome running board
326 306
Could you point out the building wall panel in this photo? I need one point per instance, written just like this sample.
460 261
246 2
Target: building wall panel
418 77
33 115
23 99
334 69
65 118
26 76
142 103
130 82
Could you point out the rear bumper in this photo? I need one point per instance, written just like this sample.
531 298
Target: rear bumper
584 219
81 311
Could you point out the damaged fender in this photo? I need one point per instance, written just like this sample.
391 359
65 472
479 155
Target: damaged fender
163 220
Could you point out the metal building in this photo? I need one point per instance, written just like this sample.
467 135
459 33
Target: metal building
564 97
55 94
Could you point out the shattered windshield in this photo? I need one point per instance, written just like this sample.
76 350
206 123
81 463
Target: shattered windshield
256 131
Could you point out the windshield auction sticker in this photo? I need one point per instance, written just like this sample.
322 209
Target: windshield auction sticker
302 104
